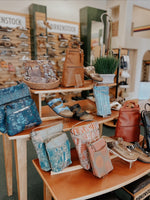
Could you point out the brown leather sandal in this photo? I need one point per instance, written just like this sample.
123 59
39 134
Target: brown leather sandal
90 72
80 114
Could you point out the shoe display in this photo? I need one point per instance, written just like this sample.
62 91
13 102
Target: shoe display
5 29
115 105
50 35
120 149
80 114
56 104
53 62
42 35
63 45
123 84
76 44
63 52
44 55
12 46
22 28
40 24
23 51
52 54
3 64
52 42
74 37
11 67
5 37
1 44
47 45
62 38
13 53
90 72
142 155
25 58
22 36
24 44
3 53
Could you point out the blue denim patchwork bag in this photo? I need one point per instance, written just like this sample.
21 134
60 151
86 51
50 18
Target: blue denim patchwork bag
17 110
102 99
58 149
38 138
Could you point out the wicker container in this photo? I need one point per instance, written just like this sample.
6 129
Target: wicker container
42 86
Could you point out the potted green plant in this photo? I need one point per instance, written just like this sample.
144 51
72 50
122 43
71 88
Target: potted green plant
106 67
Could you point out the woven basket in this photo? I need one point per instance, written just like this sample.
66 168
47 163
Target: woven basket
42 86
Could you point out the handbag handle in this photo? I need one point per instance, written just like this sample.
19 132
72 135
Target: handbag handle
133 103
82 122
70 45
146 105
44 126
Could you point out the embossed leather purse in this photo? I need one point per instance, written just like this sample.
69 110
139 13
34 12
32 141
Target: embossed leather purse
73 69
99 158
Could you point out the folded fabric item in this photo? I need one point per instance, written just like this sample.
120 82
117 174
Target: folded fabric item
38 138
58 150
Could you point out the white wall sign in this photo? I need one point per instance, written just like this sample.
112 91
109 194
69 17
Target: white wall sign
12 21
64 28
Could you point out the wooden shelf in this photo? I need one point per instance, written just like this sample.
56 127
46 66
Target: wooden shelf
88 85
120 176
67 122
110 124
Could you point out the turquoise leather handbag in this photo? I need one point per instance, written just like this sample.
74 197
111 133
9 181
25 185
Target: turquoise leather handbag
17 110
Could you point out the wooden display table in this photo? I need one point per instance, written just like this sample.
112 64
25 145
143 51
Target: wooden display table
81 184
20 149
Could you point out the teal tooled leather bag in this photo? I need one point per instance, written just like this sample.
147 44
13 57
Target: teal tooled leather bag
17 109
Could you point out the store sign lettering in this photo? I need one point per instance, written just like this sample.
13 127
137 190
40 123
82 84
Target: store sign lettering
64 28
12 21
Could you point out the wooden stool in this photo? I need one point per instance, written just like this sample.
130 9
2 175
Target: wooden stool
139 189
